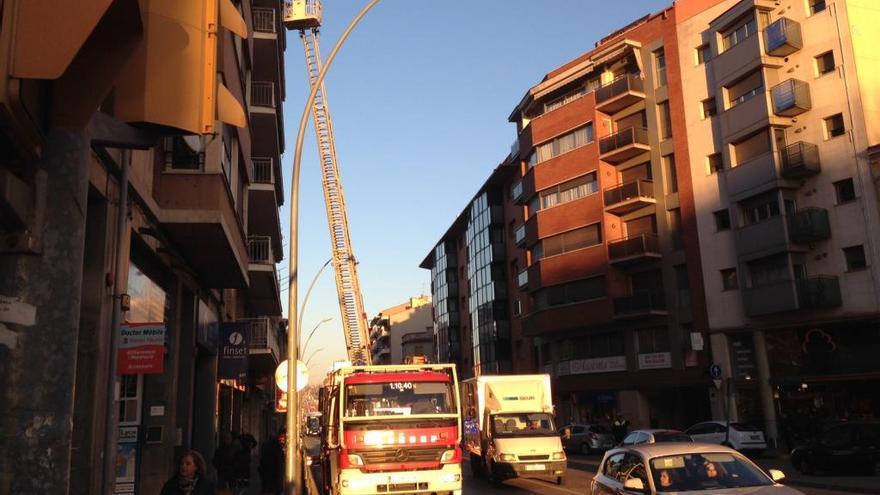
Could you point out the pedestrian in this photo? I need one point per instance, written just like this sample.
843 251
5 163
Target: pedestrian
191 477
224 460
271 467
620 427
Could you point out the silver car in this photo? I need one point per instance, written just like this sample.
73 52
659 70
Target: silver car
587 438
638 437
683 467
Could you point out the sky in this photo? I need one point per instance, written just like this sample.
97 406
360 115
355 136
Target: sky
419 96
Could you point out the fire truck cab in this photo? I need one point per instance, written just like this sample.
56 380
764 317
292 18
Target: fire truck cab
392 429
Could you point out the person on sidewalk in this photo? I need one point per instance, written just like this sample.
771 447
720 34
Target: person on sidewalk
271 467
191 477
224 460
620 427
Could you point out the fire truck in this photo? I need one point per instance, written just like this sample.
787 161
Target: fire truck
392 429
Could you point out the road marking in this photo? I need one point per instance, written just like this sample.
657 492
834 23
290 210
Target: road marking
549 485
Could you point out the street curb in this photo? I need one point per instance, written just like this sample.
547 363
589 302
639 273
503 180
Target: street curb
809 484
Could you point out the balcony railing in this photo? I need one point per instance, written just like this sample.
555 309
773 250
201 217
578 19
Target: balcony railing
791 97
411 338
264 20
800 160
263 173
260 250
633 246
821 291
263 93
640 188
607 96
783 37
639 303
809 225
264 336
612 148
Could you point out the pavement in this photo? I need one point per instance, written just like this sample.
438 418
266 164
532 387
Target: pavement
848 484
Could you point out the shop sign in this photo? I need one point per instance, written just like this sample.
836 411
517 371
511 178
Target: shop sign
655 360
127 453
233 356
595 365
141 348
742 352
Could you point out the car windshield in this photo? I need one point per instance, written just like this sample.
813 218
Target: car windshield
709 471
671 436
523 425
399 399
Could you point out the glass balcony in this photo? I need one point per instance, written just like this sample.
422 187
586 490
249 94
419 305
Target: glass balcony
516 192
809 225
519 235
791 98
523 278
642 303
800 160
620 93
624 145
633 250
629 197
820 291
783 37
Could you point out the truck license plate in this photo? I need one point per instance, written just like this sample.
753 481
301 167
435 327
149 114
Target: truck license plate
535 467
402 478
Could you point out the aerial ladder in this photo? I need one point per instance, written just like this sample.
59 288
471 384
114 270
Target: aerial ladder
305 16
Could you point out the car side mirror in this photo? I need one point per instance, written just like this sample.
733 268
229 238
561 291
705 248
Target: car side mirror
776 475
634 485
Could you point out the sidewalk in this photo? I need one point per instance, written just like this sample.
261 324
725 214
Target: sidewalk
850 484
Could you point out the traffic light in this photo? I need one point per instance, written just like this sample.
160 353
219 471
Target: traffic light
170 82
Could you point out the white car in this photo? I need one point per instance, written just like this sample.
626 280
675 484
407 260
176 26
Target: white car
741 436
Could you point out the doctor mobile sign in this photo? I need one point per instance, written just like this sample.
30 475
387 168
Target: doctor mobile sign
233 355
141 348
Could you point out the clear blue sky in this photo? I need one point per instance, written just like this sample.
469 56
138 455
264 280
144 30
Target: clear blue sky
419 96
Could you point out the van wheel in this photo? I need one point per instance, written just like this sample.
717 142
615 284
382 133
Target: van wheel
585 449
560 480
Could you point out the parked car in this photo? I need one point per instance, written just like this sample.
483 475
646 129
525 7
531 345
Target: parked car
849 446
742 437
586 438
683 466
638 437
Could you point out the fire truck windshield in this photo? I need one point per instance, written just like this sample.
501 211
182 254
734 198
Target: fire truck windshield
399 399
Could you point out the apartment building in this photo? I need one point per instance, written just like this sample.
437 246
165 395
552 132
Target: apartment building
199 239
402 331
779 115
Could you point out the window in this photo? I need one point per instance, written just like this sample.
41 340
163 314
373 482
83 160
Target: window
739 33
675 228
567 191
665 120
825 63
834 126
816 6
180 156
517 307
571 292
590 235
703 53
760 209
845 191
855 258
660 67
745 89
729 279
722 219
714 163
612 466
562 144
708 108
671 176
651 340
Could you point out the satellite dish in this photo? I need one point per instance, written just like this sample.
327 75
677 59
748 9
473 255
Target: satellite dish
194 142
281 372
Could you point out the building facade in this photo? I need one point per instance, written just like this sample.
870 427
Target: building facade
403 331
199 239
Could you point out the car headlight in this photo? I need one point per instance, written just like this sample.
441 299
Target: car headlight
558 456
507 457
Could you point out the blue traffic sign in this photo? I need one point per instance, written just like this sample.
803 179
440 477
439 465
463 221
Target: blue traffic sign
715 371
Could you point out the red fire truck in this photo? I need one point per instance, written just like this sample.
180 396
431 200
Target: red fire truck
392 429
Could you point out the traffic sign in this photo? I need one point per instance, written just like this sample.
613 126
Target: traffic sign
715 371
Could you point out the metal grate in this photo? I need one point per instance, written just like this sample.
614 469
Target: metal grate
264 20
263 170
260 249
263 93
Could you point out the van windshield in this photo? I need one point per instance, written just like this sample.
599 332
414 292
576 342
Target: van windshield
399 399
523 425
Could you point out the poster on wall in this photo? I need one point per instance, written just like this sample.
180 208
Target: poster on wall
127 460
141 348
234 348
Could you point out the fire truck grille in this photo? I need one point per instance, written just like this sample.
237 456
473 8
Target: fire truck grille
404 454
534 457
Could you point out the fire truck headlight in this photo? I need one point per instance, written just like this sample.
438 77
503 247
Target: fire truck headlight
355 460
451 478
559 456
506 457
448 455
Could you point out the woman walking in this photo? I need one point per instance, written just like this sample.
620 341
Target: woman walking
191 477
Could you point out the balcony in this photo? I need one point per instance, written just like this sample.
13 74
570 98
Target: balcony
516 192
624 145
821 291
264 292
264 20
782 37
620 93
523 279
629 197
640 304
263 94
791 98
800 160
265 348
634 250
263 216
809 225
519 235
417 338
752 176
762 239
771 298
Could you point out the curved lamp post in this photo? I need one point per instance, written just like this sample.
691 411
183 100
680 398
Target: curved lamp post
309 338
293 462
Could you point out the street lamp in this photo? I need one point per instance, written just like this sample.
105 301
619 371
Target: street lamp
309 338
319 349
293 462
